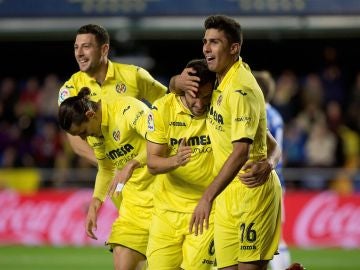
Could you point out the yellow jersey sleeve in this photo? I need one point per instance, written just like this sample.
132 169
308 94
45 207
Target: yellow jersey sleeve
67 90
139 118
150 89
104 176
157 132
245 113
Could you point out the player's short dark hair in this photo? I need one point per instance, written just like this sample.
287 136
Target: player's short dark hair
101 34
229 26
202 71
73 109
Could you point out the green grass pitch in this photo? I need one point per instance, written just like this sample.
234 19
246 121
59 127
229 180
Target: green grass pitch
88 258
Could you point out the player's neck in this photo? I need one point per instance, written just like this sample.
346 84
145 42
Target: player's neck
100 74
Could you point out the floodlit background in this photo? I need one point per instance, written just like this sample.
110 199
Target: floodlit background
311 48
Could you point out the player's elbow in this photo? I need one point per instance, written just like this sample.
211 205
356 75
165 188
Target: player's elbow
152 168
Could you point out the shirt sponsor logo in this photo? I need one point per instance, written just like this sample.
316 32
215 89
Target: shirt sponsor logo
177 124
214 115
63 94
116 135
191 141
119 152
121 162
243 119
120 88
150 122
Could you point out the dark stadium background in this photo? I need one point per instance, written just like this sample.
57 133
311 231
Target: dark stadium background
23 58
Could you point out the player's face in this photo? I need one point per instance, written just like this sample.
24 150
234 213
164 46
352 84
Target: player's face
217 51
88 53
199 105
92 127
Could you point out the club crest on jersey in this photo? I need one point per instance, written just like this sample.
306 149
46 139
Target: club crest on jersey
116 135
219 100
150 122
120 88
63 94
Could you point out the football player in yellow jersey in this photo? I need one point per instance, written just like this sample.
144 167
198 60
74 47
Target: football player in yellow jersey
247 220
120 127
180 132
106 79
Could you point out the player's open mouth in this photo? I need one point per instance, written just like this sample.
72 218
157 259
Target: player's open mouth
209 58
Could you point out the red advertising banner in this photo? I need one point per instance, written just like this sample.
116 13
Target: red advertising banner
51 218
54 217
323 219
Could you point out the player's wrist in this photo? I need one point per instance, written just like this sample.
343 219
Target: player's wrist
271 163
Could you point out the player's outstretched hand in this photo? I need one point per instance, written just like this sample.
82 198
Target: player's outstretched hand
91 218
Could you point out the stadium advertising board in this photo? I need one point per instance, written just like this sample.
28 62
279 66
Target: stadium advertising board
322 219
57 218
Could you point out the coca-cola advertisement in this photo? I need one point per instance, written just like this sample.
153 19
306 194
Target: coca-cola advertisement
322 219
51 217
56 217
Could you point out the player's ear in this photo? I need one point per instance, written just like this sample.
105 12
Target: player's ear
90 114
235 48
105 49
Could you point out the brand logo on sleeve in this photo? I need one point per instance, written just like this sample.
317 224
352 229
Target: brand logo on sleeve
63 94
242 92
150 122
126 109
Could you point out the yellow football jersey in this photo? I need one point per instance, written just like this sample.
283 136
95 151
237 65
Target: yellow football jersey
120 80
237 111
124 125
184 186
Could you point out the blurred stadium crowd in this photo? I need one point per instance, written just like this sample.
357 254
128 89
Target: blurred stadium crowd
320 111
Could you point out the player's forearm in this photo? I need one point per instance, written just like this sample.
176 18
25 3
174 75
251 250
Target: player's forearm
228 172
141 159
157 164
103 180
95 204
131 165
172 85
273 151
82 148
